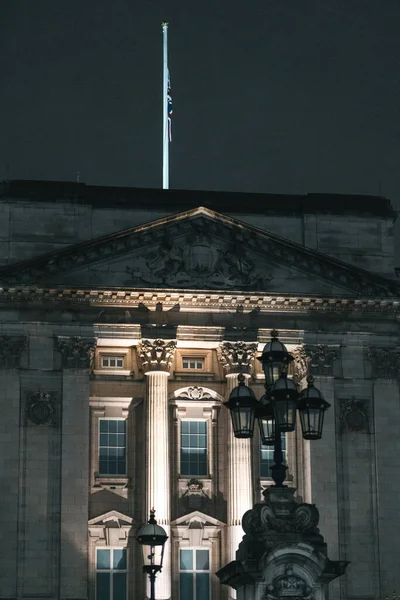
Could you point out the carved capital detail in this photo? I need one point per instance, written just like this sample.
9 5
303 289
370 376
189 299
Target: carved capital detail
236 357
40 409
300 363
156 355
11 348
321 358
76 352
354 415
385 362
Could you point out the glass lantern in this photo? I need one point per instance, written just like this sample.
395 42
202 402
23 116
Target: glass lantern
274 357
312 406
242 404
284 396
266 421
152 539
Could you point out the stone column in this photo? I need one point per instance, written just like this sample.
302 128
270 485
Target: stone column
156 357
77 356
237 358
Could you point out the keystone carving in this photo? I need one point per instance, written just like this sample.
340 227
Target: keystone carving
157 355
236 357
11 348
195 393
76 352
385 362
354 416
321 358
40 409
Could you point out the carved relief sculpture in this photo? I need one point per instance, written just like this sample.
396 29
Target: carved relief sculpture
236 357
40 409
300 363
157 355
76 352
354 416
11 348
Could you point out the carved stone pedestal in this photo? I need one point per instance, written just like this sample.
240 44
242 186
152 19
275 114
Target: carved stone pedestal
282 554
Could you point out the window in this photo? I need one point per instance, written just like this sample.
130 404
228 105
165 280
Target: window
193 363
267 458
112 362
111 571
193 448
112 447
194 574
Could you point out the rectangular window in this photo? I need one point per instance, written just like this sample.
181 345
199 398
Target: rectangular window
194 448
111 574
112 362
192 363
194 574
267 458
112 447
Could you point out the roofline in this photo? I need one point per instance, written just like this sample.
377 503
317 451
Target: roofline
178 200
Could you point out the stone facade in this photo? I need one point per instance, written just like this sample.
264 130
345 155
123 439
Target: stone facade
150 326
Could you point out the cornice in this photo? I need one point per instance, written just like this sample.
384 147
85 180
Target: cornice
145 300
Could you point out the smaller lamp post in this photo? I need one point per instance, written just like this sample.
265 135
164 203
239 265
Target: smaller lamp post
152 539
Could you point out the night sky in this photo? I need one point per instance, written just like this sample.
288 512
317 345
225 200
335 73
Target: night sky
287 96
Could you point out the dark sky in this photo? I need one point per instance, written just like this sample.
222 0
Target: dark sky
282 96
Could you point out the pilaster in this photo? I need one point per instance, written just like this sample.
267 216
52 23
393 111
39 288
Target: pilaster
77 354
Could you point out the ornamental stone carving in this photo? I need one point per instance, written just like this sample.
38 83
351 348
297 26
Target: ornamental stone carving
156 355
300 364
40 409
385 362
195 496
195 393
11 348
76 352
321 358
354 416
199 262
236 357
288 585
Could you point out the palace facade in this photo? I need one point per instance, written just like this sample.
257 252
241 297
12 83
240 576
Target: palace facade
126 318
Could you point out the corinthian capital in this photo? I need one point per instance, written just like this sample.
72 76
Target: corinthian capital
11 348
157 355
76 352
385 362
322 358
236 357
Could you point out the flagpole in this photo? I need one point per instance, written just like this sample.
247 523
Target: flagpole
165 109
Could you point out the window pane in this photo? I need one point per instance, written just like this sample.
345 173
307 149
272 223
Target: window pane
112 439
186 586
193 426
120 362
121 467
121 426
185 427
186 563
103 586
103 425
103 559
202 560
119 559
119 586
103 439
202 427
113 424
103 467
202 586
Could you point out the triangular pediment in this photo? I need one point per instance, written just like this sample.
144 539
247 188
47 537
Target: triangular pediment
112 516
200 517
197 250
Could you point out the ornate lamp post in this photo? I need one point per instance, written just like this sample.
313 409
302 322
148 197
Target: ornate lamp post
152 539
276 411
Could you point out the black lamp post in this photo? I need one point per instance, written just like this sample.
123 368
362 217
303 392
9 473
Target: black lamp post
152 539
276 410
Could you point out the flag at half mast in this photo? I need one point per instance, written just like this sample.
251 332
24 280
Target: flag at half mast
169 100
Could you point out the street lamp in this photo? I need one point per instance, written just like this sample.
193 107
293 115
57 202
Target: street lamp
152 539
276 410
